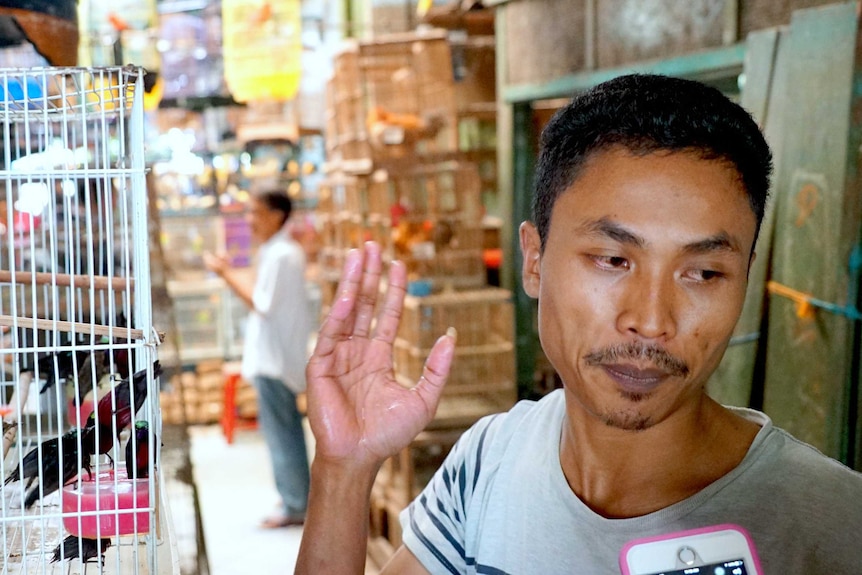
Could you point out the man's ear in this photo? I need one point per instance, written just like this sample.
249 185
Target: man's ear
531 250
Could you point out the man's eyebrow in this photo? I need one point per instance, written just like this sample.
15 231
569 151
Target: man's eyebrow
720 242
612 230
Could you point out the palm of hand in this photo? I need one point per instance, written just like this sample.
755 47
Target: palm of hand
356 408
362 411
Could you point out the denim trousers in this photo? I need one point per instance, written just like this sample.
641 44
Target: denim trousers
281 425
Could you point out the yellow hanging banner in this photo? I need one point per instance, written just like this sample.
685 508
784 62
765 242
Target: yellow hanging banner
262 48
422 7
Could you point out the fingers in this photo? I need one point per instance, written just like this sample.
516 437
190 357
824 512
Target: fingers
209 260
338 324
436 370
217 263
367 297
390 312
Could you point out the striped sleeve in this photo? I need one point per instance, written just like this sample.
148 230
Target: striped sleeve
434 524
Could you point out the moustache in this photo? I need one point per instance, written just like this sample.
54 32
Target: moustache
639 352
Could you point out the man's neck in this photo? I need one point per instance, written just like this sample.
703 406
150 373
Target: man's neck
268 239
619 473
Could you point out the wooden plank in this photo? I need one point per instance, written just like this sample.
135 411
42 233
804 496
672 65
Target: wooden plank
545 39
505 154
808 357
765 77
73 326
526 308
25 278
634 31
708 66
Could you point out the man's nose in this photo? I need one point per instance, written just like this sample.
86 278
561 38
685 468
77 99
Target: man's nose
648 307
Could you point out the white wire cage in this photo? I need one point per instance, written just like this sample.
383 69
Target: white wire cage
78 384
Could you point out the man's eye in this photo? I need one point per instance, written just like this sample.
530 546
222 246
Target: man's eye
704 275
611 262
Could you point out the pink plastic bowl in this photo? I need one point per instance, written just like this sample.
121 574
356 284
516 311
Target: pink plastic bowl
115 506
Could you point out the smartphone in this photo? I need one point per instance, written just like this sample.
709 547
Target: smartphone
718 550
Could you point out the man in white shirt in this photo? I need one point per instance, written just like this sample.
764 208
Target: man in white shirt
275 344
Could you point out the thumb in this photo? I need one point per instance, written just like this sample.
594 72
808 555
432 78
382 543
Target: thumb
436 369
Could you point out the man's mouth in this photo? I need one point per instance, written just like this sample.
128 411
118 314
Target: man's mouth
635 380
627 358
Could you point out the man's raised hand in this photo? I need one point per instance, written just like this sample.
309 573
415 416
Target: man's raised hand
357 410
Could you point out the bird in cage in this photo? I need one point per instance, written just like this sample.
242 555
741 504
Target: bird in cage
58 470
108 362
92 245
137 451
58 466
123 358
88 381
10 431
73 547
117 404
124 394
46 456
63 370
103 362
120 358
64 365
97 438
100 361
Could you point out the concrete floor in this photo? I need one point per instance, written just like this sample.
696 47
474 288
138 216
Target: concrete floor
235 492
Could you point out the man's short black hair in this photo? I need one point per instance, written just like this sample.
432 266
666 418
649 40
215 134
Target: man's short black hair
645 114
276 200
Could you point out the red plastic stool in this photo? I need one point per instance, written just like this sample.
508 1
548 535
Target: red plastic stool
230 419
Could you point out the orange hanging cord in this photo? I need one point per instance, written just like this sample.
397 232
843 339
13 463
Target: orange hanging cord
807 305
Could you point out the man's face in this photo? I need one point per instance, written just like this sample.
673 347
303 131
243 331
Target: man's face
641 281
264 222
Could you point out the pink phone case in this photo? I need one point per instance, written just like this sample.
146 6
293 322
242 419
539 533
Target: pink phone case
699 531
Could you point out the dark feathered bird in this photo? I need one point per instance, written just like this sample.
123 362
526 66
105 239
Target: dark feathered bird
38 460
73 547
57 471
123 357
103 432
66 361
137 452
102 362
118 403
60 472
30 466
91 372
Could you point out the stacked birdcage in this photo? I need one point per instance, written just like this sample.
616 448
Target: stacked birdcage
411 161
78 391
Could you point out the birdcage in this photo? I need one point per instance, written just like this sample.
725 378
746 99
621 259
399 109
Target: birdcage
78 384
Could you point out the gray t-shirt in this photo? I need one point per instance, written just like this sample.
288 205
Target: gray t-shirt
500 504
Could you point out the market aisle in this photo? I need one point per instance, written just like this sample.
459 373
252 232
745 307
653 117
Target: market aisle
236 492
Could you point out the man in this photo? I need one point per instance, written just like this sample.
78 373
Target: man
275 344
648 199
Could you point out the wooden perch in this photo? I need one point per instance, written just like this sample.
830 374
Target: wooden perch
114 283
73 326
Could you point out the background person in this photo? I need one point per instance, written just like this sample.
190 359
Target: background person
275 346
